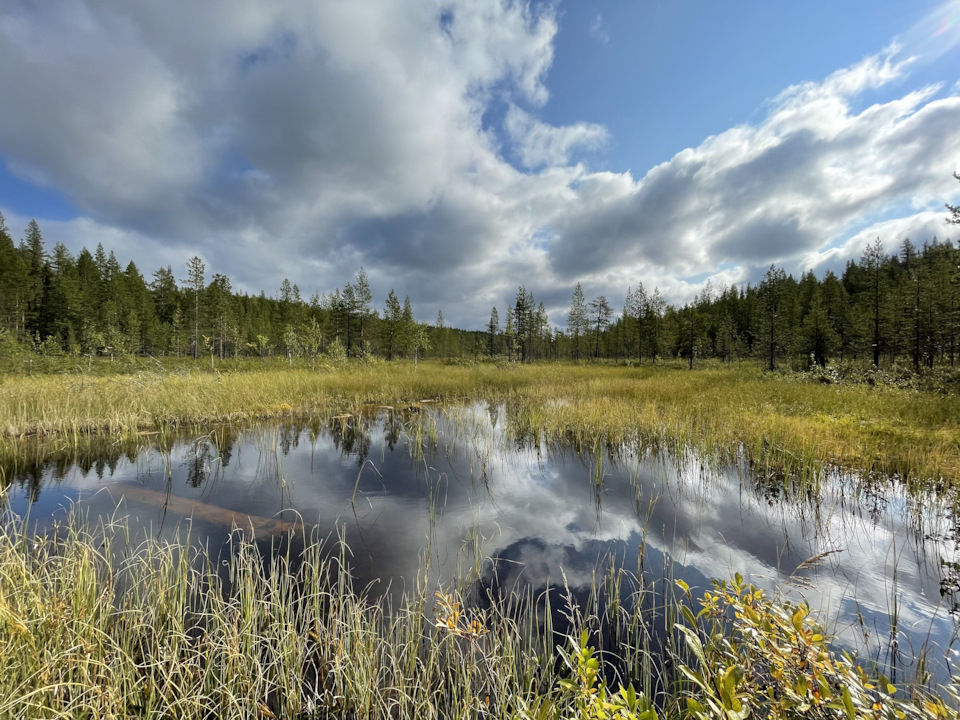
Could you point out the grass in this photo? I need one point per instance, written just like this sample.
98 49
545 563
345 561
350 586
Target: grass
777 422
93 625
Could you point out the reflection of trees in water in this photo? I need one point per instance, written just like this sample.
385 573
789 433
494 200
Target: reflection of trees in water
947 537
223 439
351 436
41 462
54 459
198 462
801 500
289 437
392 428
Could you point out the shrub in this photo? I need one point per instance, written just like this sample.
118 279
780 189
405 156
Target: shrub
757 657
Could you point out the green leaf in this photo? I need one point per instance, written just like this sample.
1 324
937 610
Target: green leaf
693 642
729 679
696 678
848 704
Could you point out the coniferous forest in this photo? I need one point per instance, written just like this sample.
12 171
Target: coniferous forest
894 304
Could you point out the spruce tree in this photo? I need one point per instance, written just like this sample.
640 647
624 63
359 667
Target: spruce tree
13 284
874 294
392 323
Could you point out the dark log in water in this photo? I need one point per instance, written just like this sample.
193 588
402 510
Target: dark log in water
187 507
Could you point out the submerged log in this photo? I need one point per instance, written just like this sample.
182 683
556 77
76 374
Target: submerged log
192 508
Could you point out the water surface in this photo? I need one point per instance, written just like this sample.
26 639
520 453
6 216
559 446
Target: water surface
427 495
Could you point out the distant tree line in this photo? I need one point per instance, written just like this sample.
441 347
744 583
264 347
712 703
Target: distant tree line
902 305
55 303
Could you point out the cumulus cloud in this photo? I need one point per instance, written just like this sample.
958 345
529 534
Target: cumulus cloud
782 190
304 140
541 144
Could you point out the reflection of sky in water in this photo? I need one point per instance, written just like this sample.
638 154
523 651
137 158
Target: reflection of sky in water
541 510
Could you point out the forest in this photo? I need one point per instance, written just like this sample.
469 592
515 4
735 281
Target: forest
894 304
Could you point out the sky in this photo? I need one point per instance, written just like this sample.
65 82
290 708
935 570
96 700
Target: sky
458 150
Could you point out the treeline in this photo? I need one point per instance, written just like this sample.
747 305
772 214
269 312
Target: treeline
54 303
902 305
888 306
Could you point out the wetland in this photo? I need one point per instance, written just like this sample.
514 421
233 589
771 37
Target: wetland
465 549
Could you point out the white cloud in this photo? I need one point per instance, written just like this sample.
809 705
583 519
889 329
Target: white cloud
301 141
777 191
598 32
541 144
920 228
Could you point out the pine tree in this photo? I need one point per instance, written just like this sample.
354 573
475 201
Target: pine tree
577 323
636 308
221 301
600 312
493 327
194 282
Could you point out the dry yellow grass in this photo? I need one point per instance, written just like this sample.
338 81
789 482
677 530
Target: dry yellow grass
788 423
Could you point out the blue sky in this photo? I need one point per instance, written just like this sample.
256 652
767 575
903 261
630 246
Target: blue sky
664 76
459 149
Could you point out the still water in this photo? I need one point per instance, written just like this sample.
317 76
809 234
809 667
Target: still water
426 494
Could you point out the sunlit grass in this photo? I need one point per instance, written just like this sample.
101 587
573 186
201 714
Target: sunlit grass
783 422
91 626
94 624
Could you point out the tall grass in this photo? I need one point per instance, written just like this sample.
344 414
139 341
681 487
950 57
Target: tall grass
779 423
93 625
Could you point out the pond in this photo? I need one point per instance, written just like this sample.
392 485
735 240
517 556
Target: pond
427 495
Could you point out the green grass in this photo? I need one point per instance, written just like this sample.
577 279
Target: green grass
779 422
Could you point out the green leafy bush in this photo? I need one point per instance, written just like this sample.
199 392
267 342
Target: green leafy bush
757 657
